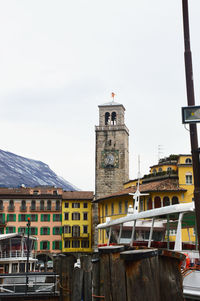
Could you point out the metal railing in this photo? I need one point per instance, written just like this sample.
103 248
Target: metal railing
15 254
37 284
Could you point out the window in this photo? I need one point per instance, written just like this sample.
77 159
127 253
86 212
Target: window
85 205
154 171
57 217
67 243
2 218
169 169
1 205
58 205
149 204
112 208
188 161
188 178
22 230
44 245
36 192
22 217
120 207
175 200
113 118
11 217
23 205
157 202
75 244
33 217
75 216
75 231
126 206
85 229
45 217
14 267
85 244
11 205
10 230
57 245
56 231
166 201
42 205
66 205
106 209
85 216
33 231
107 118
160 169
67 229
75 205
33 207
45 231
49 205
172 232
66 216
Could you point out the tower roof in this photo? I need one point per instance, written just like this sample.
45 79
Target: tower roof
111 103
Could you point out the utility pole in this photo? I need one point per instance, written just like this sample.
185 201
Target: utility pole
193 126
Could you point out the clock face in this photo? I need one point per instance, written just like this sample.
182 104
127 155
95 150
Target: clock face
110 158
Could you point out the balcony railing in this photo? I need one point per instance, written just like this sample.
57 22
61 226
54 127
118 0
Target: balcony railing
23 208
16 254
11 208
75 235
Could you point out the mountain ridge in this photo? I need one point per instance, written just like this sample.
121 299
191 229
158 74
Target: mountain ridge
16 171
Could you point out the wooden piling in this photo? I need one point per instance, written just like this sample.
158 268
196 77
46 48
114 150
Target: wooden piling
77 284
86 266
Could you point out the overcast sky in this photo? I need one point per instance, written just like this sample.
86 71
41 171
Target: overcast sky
60 59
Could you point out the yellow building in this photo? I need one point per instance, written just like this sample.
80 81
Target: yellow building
77 221
169 182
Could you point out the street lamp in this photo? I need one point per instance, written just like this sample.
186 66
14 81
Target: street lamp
28 251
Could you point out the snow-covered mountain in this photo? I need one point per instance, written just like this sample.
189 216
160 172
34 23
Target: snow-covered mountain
16 171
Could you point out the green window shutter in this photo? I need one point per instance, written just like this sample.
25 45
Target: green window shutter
14 217
48 231
14 228
19 217
41 231
6 230
60 244
53 230
8 217
53 245
42 217
19 229
60 230
36 231
48 245
26 231
36 217
53 217
27 215
41 245
36 245
48 217
4 217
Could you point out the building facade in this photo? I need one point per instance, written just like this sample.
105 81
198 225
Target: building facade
43 206
77 221
169 182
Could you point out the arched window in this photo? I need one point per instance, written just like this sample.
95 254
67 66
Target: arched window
113 118
166 201
160 169
57 205
106 209
149 204
157 202
169 169
188 178
154 171
11 205
42 205
23 205
188 161
33 207
49 205
107 118
1 205
175 200
120 207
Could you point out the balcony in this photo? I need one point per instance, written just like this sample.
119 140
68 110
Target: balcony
76 235
11 208
23 208
9 255
49 209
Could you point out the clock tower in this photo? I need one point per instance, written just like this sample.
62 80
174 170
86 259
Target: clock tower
112 150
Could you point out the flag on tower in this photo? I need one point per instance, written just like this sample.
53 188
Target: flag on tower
113 95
